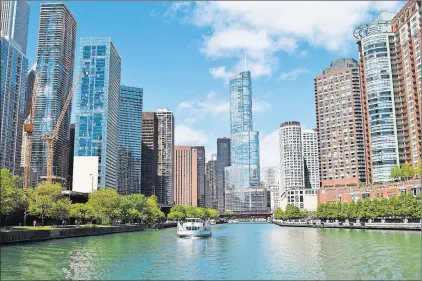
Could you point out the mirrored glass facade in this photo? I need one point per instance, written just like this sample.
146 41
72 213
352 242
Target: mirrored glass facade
97 100
130 140
242 179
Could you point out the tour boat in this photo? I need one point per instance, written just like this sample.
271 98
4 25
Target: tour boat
213 222
193 227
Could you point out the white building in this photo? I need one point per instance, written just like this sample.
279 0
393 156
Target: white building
310 158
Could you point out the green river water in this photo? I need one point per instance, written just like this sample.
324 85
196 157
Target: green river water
244 251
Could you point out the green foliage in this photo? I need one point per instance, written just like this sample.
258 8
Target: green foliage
293 212
61 209
176 216
408 171
405 206
212 213
418 169
105 204
79 211
133 207
228 212
10 192
43 200
278 214
154 213
180 212
396 172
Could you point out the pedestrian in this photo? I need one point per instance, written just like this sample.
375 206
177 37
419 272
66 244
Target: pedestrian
76 222
63 223
35 223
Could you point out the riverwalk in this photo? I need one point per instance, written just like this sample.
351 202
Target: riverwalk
353 225
17 236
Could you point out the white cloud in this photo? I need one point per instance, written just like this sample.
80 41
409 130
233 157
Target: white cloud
211 105
185 135
259 105
185 104
304 53
221 73
294 74
269 151
263 28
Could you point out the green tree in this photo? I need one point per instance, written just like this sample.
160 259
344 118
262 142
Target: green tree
418 169
213 213
396 172
24 202
176 216
292 212
154 213
79 211
105 204
61 209
416 206
10 192
43 199
228 212
133 207
408 171
351 212
320 212
278 213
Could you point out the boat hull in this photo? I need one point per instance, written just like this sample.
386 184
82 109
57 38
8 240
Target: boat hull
194 233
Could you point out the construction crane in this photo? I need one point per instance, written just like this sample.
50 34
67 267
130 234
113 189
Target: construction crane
29 129
50 139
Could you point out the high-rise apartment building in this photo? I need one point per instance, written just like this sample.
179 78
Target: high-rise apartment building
211 200
14 23
407 72
188 175
165 174
243 192
199 151
130 139
29 89
71 156
149 153
13 69
271 176
97 100
55 61
310 159
223 160
376 43
339 124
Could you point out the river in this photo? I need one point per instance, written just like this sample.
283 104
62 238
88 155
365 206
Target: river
244 251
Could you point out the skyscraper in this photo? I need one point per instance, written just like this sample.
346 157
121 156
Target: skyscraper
14 23
243 192
188 175
223 160
407 78
149 153
12 100
310 159
211 200
199 151
164 188
130 139
97 100
339 124
376 47
71 156
55 60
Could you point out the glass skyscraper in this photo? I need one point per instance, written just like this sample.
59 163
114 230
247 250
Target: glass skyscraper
223 161
14 23
97 100
55 61
14 66
130 139
242 178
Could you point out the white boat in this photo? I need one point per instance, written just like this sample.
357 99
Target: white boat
213 222
193 227
233 221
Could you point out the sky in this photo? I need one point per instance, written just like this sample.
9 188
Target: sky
183 53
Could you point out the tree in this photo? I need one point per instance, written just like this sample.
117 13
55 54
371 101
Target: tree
176 216
79 211
292 212
24 202
133 207
228 212
213 213
278 213
418 169
105 204
153 210
408 171
61 209
396 172
43 198
10 192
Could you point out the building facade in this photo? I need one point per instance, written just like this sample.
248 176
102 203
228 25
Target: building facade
199 151
55 61
340 124
149 153
223 161
243 192
97 100
211 199
13 69
130 139
376 50
71 156
407 72
165 174
310 159
15 22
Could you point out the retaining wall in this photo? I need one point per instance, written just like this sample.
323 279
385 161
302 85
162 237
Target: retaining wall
384 226
16 236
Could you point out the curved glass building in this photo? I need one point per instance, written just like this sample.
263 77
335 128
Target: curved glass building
242 178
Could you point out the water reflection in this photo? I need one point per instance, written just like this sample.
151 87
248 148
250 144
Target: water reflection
239 251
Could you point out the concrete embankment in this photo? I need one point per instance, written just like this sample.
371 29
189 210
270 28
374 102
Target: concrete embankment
383 226
16 236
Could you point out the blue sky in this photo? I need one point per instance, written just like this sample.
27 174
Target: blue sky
182 54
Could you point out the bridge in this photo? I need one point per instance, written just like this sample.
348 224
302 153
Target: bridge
247 215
